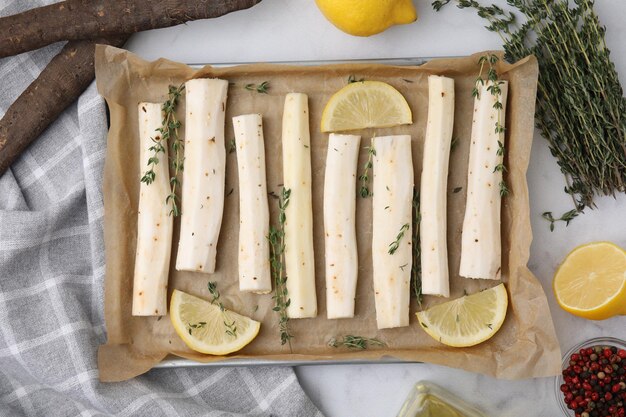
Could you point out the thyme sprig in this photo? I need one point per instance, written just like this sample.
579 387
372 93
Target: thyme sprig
496 91
215 294
416 266
567 217
393 246
168 133
353 79
156 149
232 146
261 88
355 342
581 109
277 258
364 191
192 326
177 164
229 328
504 189
491 60
454 143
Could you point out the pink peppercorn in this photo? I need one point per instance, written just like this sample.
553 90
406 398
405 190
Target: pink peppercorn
595 382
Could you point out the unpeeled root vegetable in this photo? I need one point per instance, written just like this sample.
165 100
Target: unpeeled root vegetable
72 70
204 175
391 233
154 225
254 220
299 257
90 19
481 248
340 225
60 83
433 189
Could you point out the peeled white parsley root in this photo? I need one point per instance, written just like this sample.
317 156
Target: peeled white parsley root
391 235
154 225
433 189
481 249
299 256
254 220
203 176
340 225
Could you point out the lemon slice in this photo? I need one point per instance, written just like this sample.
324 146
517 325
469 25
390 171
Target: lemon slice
466 321
205 328
591 281
365 104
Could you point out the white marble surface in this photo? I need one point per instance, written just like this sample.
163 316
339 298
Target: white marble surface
294 30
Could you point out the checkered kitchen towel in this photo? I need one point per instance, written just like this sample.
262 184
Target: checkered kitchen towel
51 285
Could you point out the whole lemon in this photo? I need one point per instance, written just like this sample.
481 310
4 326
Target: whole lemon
367 17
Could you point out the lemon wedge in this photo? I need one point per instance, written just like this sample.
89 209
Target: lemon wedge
205 328
466 321
591 281
365 104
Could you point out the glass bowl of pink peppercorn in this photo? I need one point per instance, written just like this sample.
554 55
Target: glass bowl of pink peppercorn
593 381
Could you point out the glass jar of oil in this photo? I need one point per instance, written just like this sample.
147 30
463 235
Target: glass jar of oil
429 400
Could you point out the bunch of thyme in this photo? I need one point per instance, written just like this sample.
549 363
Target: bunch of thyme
581 109
168 133
277 251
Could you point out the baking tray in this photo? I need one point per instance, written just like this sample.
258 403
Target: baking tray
526 346
176 362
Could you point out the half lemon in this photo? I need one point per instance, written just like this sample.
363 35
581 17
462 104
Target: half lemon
591 281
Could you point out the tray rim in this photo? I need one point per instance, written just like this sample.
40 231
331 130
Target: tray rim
172 361
403 61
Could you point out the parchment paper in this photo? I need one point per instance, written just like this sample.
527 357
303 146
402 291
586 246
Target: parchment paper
526 345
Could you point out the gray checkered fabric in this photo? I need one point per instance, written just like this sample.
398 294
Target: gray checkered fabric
51 285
